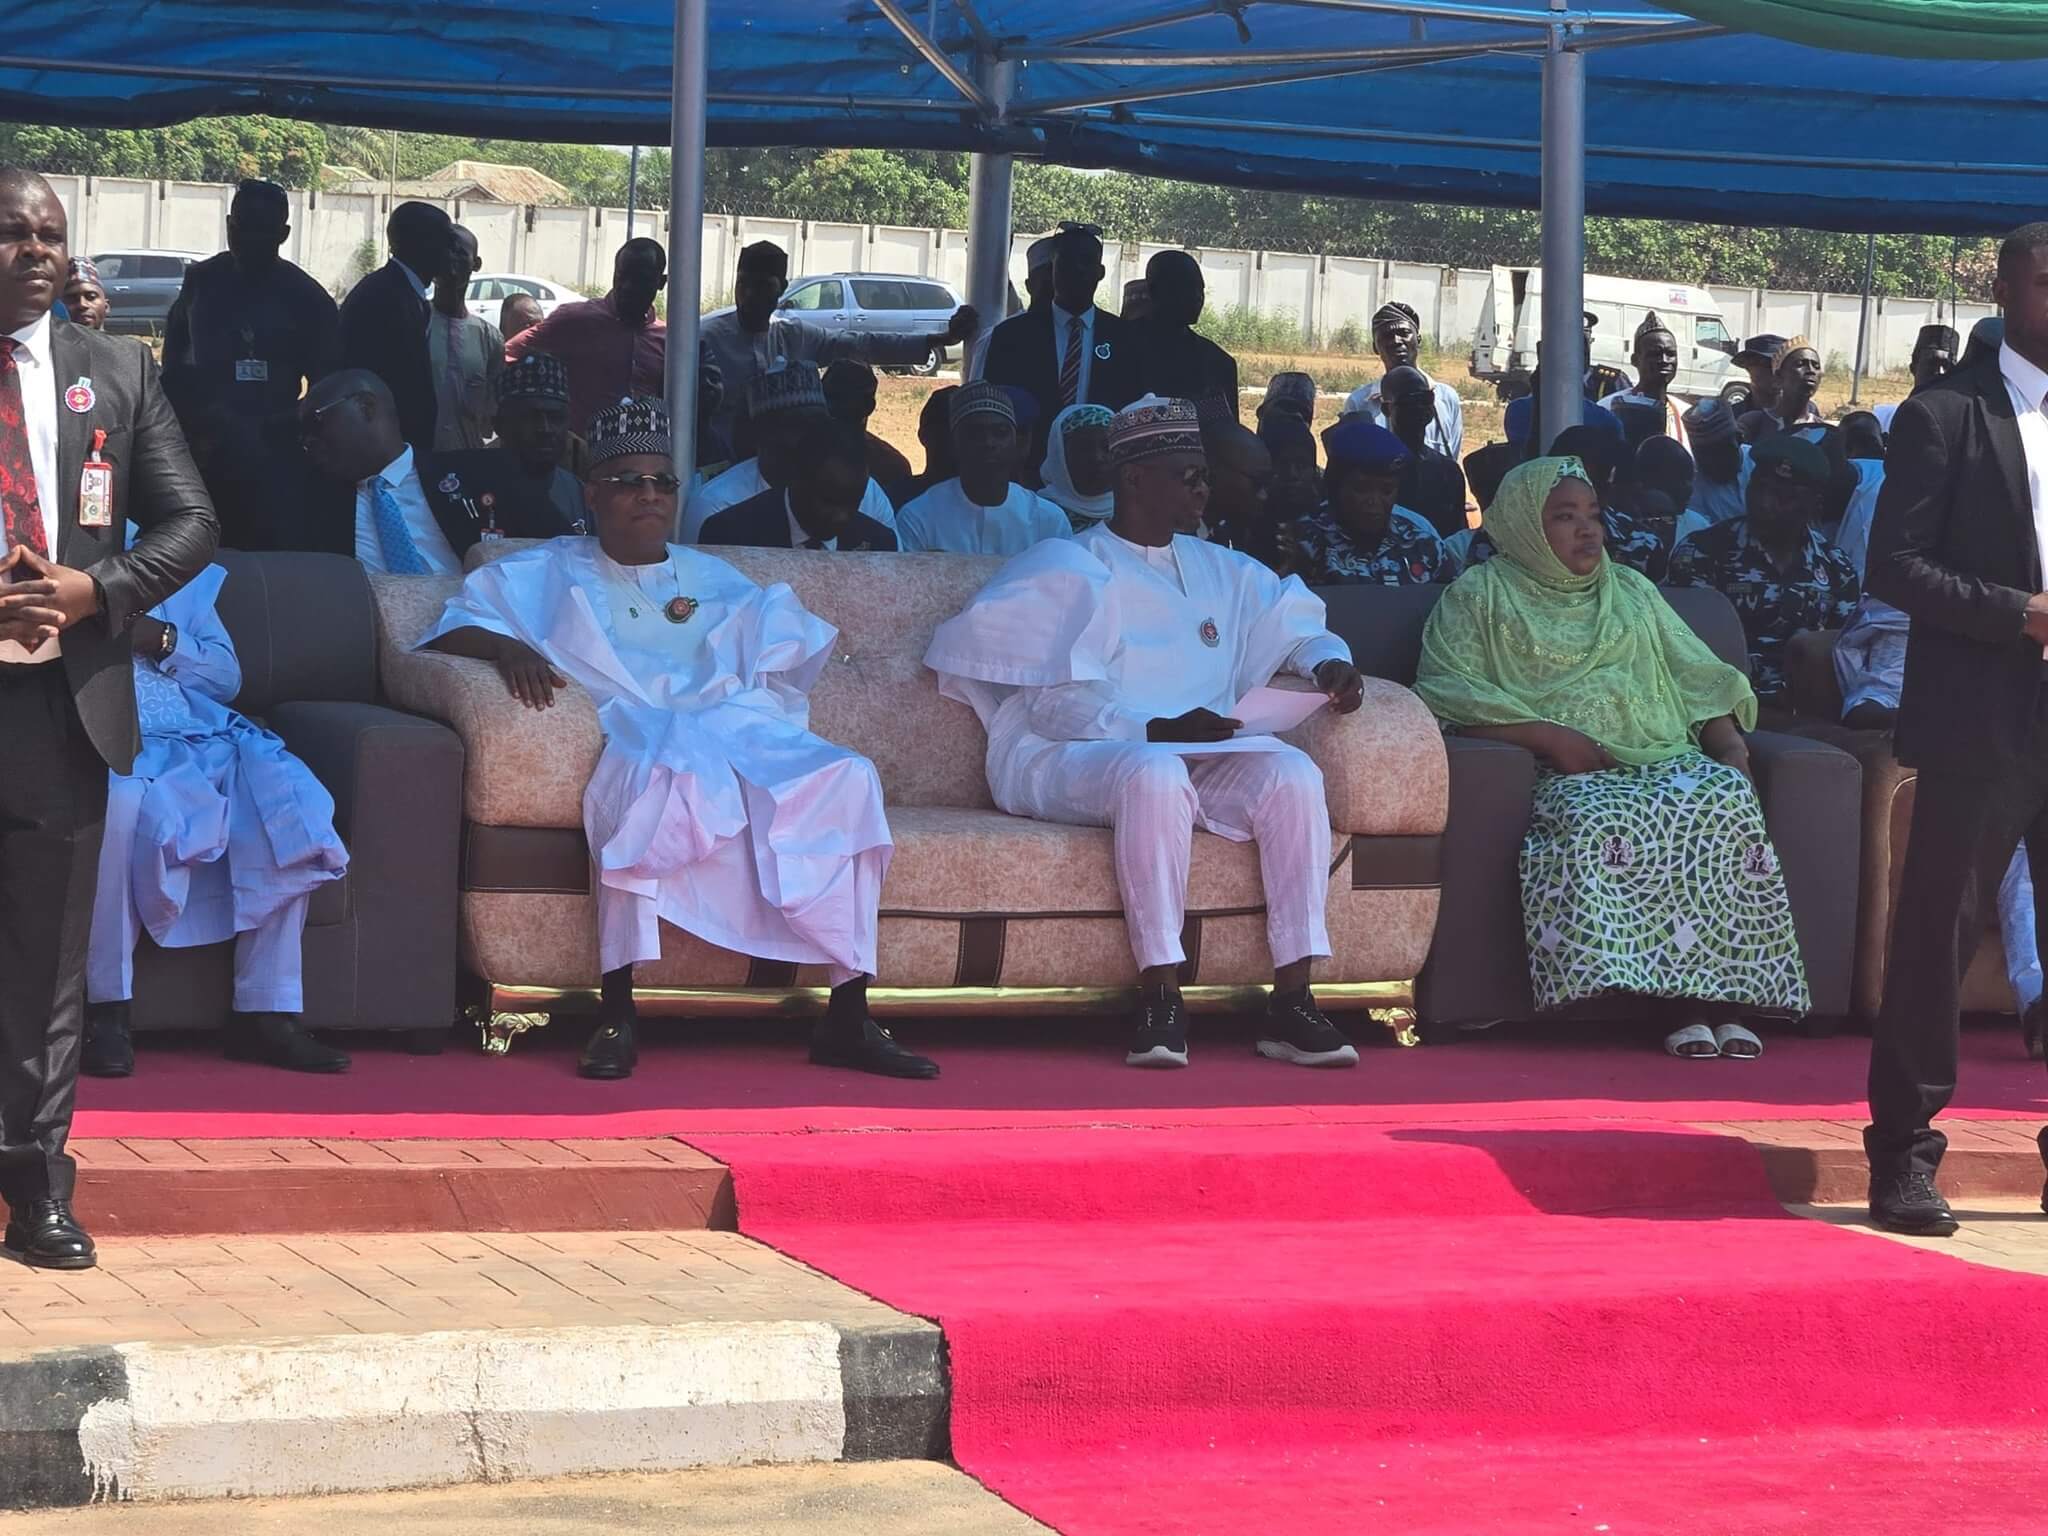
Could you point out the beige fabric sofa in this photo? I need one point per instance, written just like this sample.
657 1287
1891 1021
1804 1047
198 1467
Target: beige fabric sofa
980 910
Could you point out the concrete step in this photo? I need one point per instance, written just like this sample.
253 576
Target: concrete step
894 1498
163 1187
249 1367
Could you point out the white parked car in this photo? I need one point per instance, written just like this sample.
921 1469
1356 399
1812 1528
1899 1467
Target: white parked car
488 292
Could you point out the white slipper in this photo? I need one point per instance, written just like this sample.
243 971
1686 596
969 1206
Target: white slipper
1737 1042
1685 1043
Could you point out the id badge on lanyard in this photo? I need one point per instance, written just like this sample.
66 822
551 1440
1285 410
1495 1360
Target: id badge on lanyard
96 487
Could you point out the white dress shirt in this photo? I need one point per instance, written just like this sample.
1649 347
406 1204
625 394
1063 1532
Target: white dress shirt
2028 387
1061 321
427 536
39 388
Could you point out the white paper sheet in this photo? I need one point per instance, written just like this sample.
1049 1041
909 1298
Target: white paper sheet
1270 710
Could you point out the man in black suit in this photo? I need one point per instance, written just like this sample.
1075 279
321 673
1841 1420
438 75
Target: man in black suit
88 443
1957 545
820 509
1067 352
384 318
396 507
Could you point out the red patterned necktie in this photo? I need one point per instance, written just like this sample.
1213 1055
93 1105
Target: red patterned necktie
18 497
1070 366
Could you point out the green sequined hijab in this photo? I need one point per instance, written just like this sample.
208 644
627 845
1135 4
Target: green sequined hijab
1522 639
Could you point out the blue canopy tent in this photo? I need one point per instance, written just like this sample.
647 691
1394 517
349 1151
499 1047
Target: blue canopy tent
1625 109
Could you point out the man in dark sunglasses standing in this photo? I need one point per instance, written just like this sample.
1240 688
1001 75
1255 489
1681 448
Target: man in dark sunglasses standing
700 677
1105 668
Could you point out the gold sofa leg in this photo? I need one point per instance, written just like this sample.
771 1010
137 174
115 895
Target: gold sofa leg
1400 1022
498 1030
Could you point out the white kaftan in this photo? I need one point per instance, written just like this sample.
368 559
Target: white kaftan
1077 644
946 518
713 807
218 833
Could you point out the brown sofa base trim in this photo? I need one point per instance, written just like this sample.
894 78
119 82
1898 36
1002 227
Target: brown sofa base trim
725 1002
555 861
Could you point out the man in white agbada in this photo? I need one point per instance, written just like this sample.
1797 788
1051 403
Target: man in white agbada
1104 668
219 833
785 406
981 511
713 807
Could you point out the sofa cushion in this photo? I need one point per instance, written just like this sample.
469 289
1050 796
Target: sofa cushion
303 625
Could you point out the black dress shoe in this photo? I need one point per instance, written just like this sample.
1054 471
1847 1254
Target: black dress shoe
276 1040
610 1052
867 1047
107 1049
2031 1026
1909 1203
45 1235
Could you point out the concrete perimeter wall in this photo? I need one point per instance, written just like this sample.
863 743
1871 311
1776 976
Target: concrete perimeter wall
575 245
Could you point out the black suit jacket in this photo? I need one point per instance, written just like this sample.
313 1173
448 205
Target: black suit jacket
1953 545
156 487
458 510
520 506
1020 352
384 329
763 521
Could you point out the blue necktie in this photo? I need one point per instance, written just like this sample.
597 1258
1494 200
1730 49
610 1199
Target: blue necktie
401 556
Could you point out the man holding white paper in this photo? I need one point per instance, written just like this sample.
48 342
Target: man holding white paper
1107 670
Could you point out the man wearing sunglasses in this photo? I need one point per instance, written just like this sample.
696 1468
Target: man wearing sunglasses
1104 668
712 807
413 514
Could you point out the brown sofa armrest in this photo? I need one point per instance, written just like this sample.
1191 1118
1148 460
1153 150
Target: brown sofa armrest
1383 767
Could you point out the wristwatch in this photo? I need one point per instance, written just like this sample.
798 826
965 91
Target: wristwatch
167 642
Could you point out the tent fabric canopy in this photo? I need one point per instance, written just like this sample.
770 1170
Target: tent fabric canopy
1910 29
1721 128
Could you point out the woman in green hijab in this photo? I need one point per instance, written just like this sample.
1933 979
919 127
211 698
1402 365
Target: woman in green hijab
1647 868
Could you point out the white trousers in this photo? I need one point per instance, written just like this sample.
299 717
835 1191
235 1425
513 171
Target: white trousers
268 957
2016 927
1154 799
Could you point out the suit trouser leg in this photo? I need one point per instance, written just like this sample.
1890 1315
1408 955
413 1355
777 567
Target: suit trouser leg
53 794
1963 829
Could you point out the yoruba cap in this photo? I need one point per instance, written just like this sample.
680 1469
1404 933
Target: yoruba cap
536 376
792 387
1937 338
1152 426
1394 309
638 425
82 267
1710 422
1366 446
1653 324
981 399
764 256
1294 393
1040 253
1787 456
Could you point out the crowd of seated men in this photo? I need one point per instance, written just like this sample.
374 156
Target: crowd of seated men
1107 458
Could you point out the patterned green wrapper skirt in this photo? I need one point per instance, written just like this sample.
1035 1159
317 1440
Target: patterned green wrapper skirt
1660 881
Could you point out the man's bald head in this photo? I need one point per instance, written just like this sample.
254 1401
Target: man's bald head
1242 469
1173 281
34 247
348 423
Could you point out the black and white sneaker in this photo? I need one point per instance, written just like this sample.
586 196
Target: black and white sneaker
1295 1030
1162 1037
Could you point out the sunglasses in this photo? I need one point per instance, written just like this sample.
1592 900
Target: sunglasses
664 483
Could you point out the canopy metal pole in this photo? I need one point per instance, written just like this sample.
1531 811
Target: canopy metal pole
688 89
988 225
1863 322
632 188
1563 347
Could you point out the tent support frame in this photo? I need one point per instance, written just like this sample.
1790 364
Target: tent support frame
1563 345
689 91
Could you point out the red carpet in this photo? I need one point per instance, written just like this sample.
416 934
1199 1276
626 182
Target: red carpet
696 1079
1504 1328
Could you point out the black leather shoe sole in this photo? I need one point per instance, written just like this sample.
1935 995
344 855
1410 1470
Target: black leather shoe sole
1916 1226
93 1068
877 1061
27 1255
604 1071
257 1056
